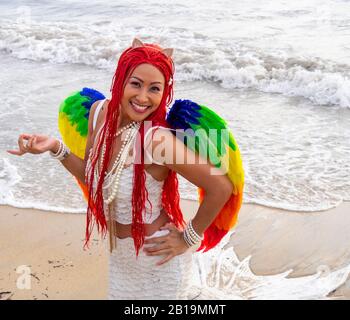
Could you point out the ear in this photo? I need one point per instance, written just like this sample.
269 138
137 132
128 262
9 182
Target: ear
168 52
136 43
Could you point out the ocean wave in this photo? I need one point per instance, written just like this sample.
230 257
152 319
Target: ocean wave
224 276
11 196
9 177
197 58
27 204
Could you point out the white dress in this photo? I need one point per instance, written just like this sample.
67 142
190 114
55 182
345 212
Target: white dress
140 278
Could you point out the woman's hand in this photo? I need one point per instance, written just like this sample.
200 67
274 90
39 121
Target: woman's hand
171 245
36 143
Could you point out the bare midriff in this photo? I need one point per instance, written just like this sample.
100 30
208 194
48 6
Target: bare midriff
124 230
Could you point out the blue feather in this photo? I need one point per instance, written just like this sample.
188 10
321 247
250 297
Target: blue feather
183 113
93 96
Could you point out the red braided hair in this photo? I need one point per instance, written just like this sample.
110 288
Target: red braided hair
128 61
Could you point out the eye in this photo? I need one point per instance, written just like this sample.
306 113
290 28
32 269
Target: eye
135 83
155 89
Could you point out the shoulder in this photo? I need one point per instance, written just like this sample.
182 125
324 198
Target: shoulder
93 108
93 111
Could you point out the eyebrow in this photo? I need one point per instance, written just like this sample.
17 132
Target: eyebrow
142 80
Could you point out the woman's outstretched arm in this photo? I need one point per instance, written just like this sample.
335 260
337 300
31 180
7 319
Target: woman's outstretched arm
37 144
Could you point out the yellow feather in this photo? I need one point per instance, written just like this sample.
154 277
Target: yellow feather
74 141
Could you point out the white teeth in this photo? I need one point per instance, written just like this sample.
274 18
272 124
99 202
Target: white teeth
139 107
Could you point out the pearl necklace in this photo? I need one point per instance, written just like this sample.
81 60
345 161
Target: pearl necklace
120 164
125 145
119 160
100 161
119 132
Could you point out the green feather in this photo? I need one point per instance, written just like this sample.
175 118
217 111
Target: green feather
208 142
75 112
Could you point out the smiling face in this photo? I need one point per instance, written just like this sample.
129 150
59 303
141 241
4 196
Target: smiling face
143 93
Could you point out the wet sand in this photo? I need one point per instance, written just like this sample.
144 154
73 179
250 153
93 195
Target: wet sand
51 245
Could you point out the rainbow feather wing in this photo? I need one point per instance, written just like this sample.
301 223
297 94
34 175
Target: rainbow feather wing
73 119
220 148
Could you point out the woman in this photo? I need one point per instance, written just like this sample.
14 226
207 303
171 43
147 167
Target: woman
135 195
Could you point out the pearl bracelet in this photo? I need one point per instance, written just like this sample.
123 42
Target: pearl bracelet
191 237
58 151
62 153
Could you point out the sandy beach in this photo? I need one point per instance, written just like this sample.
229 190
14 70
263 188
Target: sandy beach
51 245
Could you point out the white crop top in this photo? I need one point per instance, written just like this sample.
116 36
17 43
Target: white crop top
122 204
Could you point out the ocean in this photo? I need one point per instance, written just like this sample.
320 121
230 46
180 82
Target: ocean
277 71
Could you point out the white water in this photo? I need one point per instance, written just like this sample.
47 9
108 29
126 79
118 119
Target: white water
223 276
